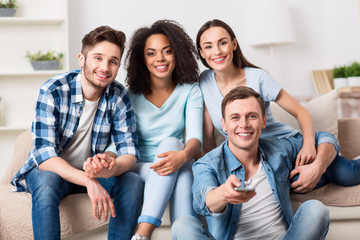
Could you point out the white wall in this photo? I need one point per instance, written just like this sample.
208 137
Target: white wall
327 31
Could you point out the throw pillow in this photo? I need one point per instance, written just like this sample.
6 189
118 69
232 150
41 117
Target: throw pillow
323 110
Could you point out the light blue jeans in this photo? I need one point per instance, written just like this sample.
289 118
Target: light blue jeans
310 222
159 190
48 188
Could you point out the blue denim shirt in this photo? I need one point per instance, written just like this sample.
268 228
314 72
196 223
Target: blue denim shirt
277 157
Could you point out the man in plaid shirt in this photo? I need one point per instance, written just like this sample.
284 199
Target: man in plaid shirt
76 115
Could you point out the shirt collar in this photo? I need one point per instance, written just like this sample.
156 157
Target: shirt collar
76 91
232 162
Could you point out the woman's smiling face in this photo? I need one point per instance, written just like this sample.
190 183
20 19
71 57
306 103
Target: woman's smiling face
217 48
159 57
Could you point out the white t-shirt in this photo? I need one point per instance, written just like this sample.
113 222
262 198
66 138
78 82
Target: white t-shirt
261 217
79 148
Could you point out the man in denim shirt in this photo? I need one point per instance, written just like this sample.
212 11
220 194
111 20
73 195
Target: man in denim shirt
245 161
76 115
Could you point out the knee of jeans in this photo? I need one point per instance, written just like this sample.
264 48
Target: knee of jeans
170 144
184 222
317 210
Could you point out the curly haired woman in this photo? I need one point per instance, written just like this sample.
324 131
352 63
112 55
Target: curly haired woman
162 75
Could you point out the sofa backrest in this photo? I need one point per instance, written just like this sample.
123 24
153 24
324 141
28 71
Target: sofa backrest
21 150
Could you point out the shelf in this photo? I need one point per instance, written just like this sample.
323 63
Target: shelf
26 20
13 129
32 73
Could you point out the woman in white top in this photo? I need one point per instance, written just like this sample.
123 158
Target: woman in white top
228 68
162 79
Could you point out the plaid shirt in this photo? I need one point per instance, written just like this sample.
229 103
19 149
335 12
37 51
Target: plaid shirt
57 114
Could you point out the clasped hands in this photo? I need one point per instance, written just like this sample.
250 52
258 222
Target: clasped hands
99 166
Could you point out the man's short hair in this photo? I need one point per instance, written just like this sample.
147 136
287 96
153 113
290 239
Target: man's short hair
100 34
242 92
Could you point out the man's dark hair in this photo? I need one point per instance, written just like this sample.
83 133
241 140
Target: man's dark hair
101 34
242 92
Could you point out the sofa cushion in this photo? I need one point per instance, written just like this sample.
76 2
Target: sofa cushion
323 110
332 195
15 214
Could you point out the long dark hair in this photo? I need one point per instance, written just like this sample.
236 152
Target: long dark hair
239 59
186 67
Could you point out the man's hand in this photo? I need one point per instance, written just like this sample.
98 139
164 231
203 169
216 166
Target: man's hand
100 199
99 166
218 198
309 176
171 162
235 197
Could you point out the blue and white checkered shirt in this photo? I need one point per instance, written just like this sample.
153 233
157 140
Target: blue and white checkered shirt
57 114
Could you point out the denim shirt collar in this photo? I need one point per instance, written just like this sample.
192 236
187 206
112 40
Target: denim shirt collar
232 162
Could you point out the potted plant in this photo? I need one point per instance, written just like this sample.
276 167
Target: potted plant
353 74
7 8
44 61
340 79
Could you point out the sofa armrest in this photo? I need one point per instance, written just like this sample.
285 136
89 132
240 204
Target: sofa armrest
349 137
21 150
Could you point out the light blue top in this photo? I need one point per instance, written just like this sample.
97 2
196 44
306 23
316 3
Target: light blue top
183 110
261 82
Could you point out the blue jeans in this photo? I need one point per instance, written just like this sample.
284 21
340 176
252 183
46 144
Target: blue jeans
48 188
341 171
311 221
159 190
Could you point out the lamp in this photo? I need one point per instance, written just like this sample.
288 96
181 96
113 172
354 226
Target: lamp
271 25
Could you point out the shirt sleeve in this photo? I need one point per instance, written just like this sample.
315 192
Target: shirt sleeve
269 87
124 127
44 128
194 114
204 181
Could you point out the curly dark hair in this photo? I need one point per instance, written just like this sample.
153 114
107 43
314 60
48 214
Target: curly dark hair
239 59
186 67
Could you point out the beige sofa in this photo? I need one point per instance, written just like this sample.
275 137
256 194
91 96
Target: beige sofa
75 210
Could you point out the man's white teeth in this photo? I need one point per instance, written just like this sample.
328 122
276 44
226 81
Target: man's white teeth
101 75
243 134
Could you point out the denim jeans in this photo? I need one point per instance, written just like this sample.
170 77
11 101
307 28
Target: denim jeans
175 187
341 171
48 188
310 222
